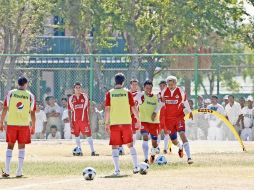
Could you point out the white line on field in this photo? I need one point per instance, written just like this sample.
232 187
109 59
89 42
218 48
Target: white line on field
42 184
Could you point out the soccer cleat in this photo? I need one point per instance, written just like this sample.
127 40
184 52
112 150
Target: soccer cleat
19 176
180 153
116 173
165 151
5 175
136 170
146 161
152 158
94 154
190 161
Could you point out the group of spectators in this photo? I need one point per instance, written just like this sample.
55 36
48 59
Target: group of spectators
239 113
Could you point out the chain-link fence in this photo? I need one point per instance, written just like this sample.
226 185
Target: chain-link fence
198 74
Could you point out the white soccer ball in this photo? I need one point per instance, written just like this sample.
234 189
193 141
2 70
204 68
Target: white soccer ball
77 151
161 160
143 168
89 173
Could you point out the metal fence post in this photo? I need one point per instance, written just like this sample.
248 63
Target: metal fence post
196 79
91 77
218 78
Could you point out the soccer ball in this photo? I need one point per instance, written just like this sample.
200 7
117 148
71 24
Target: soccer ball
77 151
161 160
89 173
143 168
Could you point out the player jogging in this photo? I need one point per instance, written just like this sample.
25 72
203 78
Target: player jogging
149 108
163 85
78 106
21 106
119 104
175 102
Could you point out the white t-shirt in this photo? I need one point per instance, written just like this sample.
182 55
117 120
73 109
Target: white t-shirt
233 112
58 136
40 119
218 108
53 120
247 117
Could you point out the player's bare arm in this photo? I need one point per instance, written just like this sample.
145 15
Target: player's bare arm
136 114
70 119
33 122
107 109
5 109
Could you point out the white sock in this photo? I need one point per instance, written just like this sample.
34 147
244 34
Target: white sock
134 157
187 149
78 143
90 142
145 149
166 139
21 161
134 138
179 145
8 161
115 156
159 140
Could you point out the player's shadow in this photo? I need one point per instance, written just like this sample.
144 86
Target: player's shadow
112 176
8 178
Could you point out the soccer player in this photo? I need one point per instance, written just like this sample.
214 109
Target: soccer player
149 107
119 104
175 102
78 106
163 85
20 105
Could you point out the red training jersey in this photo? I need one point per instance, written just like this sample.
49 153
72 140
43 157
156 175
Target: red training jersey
79 107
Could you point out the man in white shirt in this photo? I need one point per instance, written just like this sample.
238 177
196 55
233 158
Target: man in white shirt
247 114
54 134
53 113
65 119
233 111
40 123
215 131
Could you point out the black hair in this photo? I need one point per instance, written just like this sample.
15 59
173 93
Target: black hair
231 96
64 99
53 127
148 82
214 96
22 81
119 78
163 82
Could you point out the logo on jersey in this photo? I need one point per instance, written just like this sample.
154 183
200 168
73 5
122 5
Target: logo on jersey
20 105
171 102
177 96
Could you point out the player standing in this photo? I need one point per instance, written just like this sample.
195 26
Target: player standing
149 107
20 105
119 104
163 85
175 102
78 106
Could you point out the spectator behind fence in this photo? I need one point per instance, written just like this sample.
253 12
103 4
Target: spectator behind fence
65 119
247 120
47 94
233 111
54 133
2 133
201 102
225 101
242 102
53 111
215 131
40 123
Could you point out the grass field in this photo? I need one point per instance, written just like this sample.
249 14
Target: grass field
50 165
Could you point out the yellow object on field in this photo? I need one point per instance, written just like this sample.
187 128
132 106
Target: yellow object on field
223 118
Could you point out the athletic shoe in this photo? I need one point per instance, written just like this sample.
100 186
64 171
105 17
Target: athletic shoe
94 154
190 161
116 173
180 153
152 158
19 176
5 175
146 161
136 170
165 151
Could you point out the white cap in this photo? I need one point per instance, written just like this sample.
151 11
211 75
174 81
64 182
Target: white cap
171 77
225 97
249 98
207 101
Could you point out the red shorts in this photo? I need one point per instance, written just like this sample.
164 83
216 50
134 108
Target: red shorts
151 128
134 121
120 134
82 127
174 125
162 125
22 134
